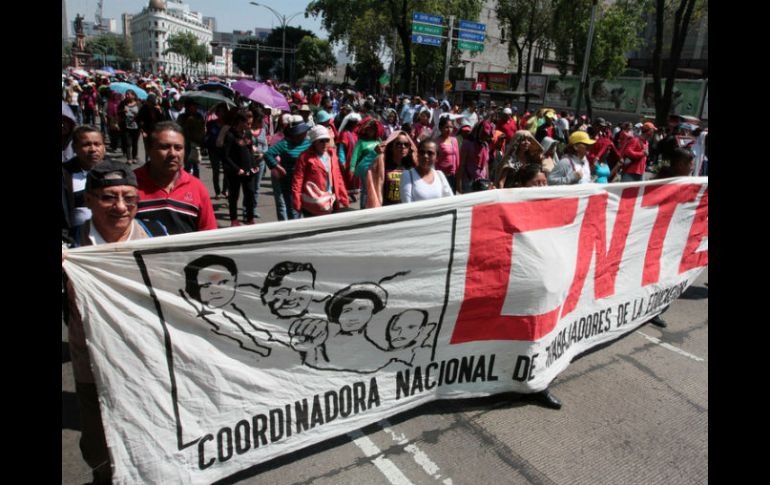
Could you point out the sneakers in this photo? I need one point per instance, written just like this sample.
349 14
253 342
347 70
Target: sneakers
250 222
235 223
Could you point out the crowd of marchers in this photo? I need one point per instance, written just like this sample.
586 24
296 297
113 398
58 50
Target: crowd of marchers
324 151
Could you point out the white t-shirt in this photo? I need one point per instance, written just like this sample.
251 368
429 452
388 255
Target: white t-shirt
413 188
586 169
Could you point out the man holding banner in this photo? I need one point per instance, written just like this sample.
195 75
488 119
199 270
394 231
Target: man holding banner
518 283
111 194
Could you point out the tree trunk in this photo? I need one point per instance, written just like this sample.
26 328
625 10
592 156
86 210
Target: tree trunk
657 64
406 42
404 33
526 77
681 24
529 54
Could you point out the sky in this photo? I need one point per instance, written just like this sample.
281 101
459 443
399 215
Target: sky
230 14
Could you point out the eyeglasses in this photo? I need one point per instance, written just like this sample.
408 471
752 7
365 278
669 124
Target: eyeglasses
109 199
400 144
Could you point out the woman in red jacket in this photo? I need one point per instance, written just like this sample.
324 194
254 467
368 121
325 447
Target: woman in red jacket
319 166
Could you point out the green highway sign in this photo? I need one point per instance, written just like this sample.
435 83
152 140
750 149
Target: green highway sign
470 46
427 29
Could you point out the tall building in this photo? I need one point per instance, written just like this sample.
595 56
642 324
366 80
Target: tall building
125 21
210 23
110 25
64 24
151 28
262 33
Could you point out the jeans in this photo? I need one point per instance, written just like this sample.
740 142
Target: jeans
256 183
284 209
78 115
192 157
236 182
130 143
89 117
115 140
93 445
631 177
215 157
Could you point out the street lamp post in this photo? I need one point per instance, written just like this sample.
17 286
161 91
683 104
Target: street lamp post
284 21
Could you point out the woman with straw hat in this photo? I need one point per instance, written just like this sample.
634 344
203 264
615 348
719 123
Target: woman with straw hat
523 149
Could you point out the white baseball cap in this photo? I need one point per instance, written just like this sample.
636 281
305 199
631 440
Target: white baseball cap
507 111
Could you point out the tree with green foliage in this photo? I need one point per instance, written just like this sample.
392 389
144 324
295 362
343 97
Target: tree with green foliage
524 23
684 13
313 57
111 45
617 31
244 55
341 18
186 46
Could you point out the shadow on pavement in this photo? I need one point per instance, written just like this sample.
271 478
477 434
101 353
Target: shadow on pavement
695 293
449 406
70 417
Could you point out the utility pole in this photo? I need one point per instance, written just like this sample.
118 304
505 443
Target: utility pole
448 52
256 69
586 59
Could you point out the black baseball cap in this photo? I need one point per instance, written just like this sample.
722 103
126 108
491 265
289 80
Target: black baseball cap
110 173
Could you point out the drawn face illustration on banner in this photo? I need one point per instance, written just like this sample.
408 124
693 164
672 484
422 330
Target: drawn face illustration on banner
405 328
353 307
217 286
356 314
212 280
288 289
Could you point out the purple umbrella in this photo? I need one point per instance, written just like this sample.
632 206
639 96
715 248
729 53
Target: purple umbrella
261 93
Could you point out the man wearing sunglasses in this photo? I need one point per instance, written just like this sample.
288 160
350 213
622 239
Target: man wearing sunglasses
111 194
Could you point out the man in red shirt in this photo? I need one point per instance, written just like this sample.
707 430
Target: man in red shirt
635 155
603 146
167 193
507 124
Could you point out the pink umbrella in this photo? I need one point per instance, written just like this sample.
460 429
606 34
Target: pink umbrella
261 93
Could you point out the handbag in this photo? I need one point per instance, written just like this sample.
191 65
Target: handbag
316 201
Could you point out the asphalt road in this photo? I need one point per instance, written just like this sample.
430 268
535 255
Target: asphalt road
635 412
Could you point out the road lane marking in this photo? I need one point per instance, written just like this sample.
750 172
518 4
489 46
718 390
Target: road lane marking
418 455
386 467
671 347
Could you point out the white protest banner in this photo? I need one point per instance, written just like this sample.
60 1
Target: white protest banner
215 351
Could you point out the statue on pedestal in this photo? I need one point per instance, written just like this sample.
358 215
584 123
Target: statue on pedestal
81 38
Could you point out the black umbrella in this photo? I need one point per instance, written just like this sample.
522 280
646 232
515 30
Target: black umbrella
218 88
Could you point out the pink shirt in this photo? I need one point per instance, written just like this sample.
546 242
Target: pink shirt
448 156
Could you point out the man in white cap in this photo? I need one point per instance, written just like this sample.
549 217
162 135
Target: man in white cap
307 114
319 166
